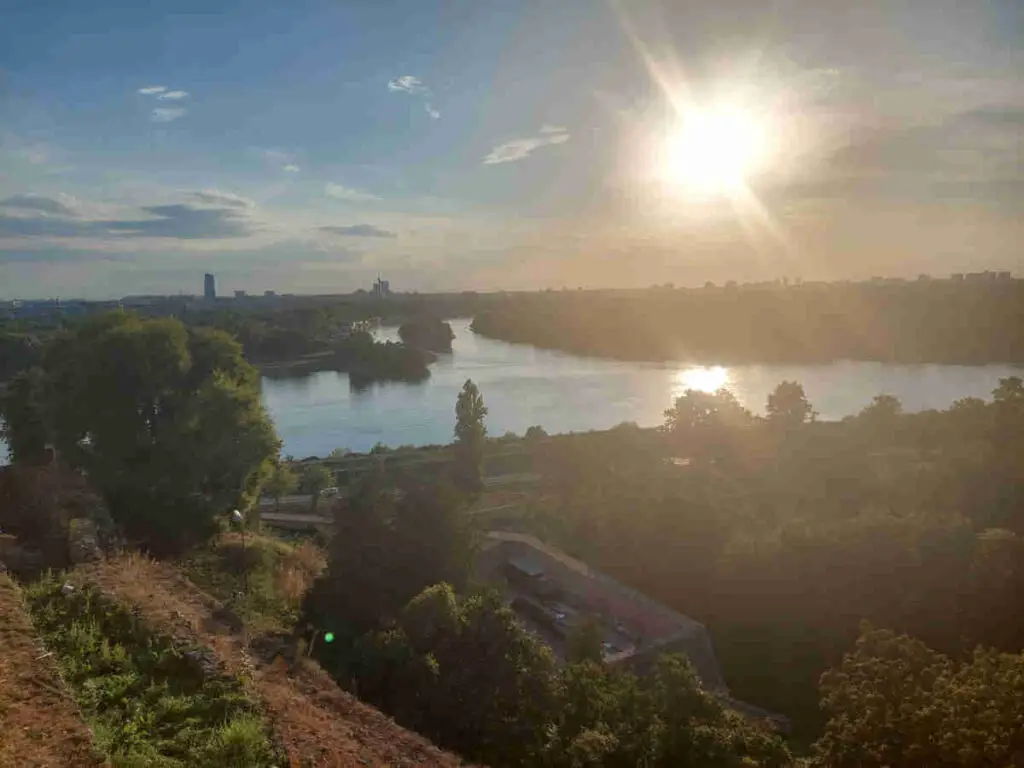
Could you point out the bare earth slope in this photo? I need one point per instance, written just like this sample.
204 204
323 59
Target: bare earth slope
317 723
40 726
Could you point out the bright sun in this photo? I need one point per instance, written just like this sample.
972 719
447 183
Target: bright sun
714 150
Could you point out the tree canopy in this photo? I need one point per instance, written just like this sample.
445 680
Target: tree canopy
470 434
895 703
165 421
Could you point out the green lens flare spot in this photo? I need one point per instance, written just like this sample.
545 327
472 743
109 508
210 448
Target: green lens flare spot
328 637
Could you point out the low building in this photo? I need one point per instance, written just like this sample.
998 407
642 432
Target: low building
553 593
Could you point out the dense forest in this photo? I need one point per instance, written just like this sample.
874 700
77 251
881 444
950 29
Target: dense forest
941 321
783 533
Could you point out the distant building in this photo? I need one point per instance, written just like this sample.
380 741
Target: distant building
957 277
270 294
381 289
552 594
209 287
240 294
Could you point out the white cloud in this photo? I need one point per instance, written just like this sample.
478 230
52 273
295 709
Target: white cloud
166 114
407 84
173 95
150 90
280 159
549 128
432 111
517 149
340 192
218 197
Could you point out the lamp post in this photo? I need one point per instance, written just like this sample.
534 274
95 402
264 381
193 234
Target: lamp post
239 519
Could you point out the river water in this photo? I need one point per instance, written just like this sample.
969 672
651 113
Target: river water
523 386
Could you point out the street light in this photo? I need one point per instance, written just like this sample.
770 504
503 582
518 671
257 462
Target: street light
239 519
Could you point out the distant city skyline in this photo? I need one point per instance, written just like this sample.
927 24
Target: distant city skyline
385 288
308 146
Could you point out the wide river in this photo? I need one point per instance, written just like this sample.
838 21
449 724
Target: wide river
523 386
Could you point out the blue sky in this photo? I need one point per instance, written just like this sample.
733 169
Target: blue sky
490 144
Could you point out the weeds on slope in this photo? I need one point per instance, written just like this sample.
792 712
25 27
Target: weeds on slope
263 581
149 702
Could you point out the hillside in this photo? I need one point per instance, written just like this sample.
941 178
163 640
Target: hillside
40 725
316 723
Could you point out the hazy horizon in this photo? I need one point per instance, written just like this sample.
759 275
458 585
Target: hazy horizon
491 146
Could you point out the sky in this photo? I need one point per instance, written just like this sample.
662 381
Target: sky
500 144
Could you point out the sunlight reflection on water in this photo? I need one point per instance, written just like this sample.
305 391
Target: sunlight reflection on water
703 379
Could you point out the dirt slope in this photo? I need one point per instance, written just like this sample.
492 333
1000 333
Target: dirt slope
39 723
317 722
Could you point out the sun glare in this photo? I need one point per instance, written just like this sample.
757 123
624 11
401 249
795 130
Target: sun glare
709 379
714 150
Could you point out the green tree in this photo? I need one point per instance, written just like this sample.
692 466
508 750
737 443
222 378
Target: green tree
465 672
536 432
880 420
165 421
586 642
706 424
895 702
22 417
388 546
281 482
470 436
788 407
315 478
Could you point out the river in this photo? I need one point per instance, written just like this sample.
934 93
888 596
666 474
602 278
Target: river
523 386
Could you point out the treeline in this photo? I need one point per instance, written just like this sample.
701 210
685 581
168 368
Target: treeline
928 321
782 534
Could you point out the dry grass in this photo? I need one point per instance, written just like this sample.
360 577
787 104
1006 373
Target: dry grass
39 724
317 723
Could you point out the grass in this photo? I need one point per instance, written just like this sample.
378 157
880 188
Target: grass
263 583
148 700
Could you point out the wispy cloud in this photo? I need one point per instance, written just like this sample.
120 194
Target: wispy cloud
407 84
217 197
173 95
348 194
151 90
280 159
358 230
415 87
184 222
167 114
208 214
37 203
549 128
517 149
